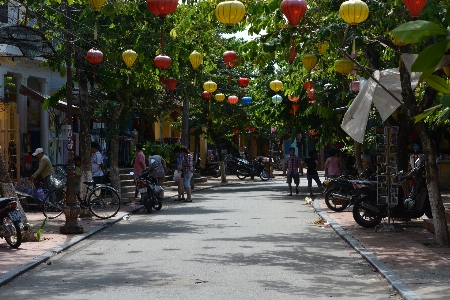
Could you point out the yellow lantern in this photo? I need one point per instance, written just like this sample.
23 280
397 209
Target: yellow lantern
219 97
322 47
343 66
230 12
196 59
96 5
309 61
447 70
129 57
210 86
276 85
354 12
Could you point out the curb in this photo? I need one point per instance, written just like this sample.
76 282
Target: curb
402 288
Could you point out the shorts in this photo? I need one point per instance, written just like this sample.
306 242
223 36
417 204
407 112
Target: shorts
295 176
187 179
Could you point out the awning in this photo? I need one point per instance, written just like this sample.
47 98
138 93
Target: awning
62 106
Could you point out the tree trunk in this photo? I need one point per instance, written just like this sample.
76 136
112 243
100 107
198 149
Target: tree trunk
358 161
185 121
114 160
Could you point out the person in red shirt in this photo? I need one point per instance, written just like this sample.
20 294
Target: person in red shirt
139 166
293 164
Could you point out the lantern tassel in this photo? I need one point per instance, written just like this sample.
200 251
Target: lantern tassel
95 30
128 78
343 92
353 46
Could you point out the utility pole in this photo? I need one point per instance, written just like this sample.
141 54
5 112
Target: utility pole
71 209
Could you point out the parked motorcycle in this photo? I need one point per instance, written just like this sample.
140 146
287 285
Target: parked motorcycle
10 222
210 169
368 213
342 192
152 194
250 170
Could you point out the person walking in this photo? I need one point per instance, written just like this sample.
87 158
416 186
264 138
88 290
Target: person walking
96 163
311 171
180 157
333 165
45 168
187 172
293 164
138 166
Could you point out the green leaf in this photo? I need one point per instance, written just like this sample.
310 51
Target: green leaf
425 113
112 26
445 115
417 31
430 57
425 75
445 100
438 83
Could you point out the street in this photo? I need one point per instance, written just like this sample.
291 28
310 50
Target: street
233 242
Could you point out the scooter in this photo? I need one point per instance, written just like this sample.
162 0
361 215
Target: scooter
210 169
10 222
368 213
250 170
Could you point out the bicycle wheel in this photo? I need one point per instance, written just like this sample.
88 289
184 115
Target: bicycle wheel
104 202
54 203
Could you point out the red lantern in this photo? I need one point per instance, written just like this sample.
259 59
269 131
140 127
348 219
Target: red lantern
291 111
162 61
94 56
235 131
233 99
293 98
312 132
175 115
295 107
293 10
354 86
171 83
229 57
415 6
243 82
206 95
308 86
162 8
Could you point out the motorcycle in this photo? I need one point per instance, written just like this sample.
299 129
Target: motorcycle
343 191
368 213
210 169
10 222
152 194
256 169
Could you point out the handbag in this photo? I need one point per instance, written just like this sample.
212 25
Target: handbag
176 175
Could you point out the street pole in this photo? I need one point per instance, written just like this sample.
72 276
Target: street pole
71 209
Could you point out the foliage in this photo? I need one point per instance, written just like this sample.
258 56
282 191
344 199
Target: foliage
165 150
39 232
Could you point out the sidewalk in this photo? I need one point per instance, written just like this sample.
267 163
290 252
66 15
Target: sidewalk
406 257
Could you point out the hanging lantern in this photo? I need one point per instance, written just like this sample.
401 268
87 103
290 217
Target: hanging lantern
247 100
230 12
233 99
354 86
219 97
311 94
162 61
196 59
229 57
312 132
293 98
343 66
447 70
236 131
129 57
96 5
206 95
175 115
309 61
277 99
291 111
415 7
162 8
354 12
276 85
308 86
210 86
293 11
292 54
295 107
322 47
243 82
171 83
94 56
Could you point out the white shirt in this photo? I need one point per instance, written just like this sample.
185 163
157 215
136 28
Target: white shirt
96 161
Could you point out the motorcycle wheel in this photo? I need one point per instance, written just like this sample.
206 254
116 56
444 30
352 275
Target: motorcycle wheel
241 174
264 175
15 239
157 203
336 204
364 217
216 172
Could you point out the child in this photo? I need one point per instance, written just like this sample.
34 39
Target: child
77 161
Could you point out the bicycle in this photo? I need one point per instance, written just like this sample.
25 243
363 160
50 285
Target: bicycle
102 200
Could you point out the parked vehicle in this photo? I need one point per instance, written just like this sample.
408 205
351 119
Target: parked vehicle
368 213
210 169
250 170
152 194
10 222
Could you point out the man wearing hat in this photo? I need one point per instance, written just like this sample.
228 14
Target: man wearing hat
293 164
45 168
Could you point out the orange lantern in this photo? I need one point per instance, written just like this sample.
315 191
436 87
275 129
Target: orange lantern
308 86
293 98
233 99
295 107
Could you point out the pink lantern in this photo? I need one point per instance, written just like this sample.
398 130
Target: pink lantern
354 86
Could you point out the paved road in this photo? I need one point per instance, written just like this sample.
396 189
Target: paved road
234 242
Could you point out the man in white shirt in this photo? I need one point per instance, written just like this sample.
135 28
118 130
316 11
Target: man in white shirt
97 163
